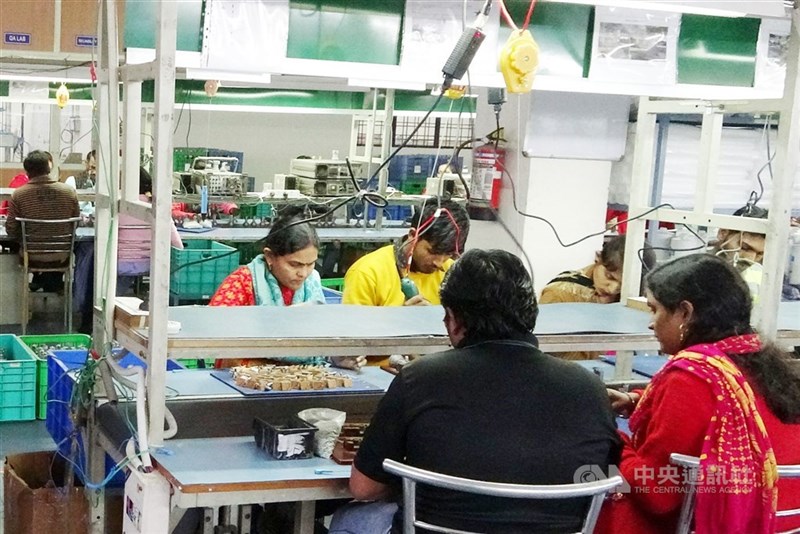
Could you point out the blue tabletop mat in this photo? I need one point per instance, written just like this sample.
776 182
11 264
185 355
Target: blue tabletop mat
359 386
643 364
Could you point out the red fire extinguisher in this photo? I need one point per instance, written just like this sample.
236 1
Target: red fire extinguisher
488 163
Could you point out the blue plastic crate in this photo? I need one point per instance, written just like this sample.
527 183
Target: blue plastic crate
190 280
392 213
416 167
17 380
59 394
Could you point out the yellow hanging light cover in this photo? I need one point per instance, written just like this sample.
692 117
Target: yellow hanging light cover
518 61
62 96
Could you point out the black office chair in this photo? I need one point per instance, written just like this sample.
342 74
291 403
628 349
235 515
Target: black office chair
412 475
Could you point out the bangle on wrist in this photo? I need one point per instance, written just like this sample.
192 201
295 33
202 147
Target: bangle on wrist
631 399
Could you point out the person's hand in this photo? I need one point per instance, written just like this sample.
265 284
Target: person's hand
417 300
622 402
349 362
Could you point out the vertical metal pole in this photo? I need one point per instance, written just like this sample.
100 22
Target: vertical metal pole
55 139
642 175
162 203
786 161
107 174
386 148
662 137
131 137
710 138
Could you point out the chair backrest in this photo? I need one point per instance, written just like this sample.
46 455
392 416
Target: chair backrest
413 475
48 244
692 463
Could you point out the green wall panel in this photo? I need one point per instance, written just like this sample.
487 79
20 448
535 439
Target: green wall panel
192 92
140 24
563 32
4 88
366 31
717 51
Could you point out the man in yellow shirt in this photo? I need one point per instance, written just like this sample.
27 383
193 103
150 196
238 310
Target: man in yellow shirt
437 235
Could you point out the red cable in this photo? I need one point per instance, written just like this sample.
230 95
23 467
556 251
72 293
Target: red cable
528 16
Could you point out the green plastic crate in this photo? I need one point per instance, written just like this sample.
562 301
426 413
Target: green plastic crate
254 211
412 187
183 156
37 345
198 269
333 283
193 363
17 380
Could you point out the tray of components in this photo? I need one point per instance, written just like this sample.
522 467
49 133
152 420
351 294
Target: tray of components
293 380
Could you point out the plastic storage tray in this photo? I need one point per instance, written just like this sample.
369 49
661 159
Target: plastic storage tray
332 296
200 280
41 346
17 380
289 439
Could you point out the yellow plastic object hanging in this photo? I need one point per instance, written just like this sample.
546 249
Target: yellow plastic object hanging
518 61
62 96
454 92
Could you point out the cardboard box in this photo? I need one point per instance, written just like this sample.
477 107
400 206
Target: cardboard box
36 501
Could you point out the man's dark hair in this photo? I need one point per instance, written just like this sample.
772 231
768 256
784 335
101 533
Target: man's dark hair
287 236
445 235
92 154
491 294
721 304
37 163
145 181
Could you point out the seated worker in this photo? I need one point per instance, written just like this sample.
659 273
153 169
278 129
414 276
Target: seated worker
283 275
745 251
726 396
494 408
133 256
600 282
44 198
86 180
438 233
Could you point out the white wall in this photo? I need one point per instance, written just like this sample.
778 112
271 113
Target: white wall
269 140
571 194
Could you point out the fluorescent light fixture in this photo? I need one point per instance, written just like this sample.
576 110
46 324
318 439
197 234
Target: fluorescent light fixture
386 84
718 8
44 78
227 76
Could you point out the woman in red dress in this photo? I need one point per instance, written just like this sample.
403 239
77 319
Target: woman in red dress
725 396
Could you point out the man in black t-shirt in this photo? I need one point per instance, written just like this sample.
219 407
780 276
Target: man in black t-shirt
494 408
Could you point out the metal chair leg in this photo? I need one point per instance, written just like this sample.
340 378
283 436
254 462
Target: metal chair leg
24 296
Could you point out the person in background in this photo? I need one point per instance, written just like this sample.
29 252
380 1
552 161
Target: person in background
726 396
133 254
86 180
44 198
745 251
17 181
438 233
494 408
600 282
283 275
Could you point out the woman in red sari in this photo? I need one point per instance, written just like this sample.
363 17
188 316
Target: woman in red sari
725 397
